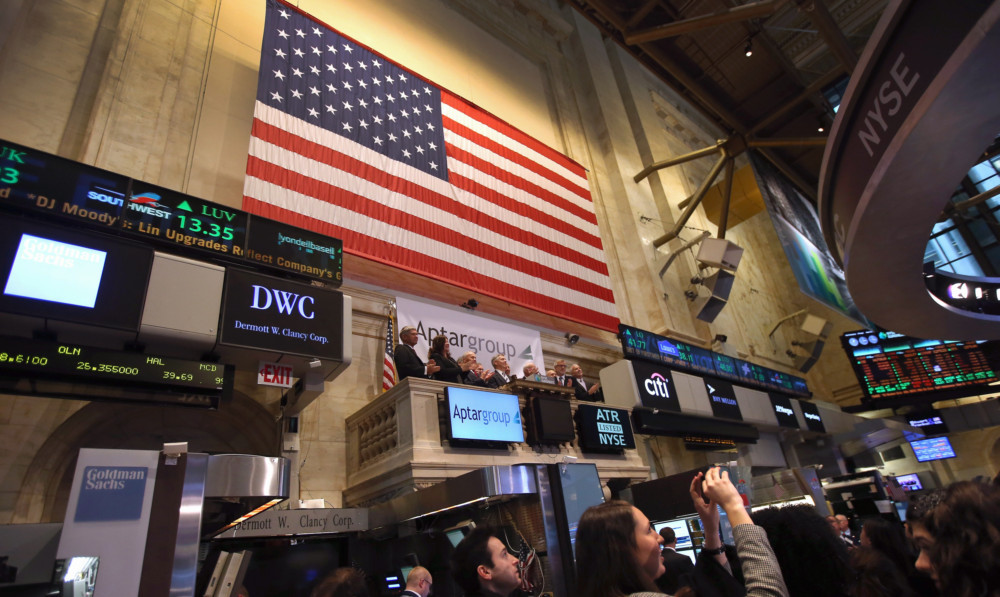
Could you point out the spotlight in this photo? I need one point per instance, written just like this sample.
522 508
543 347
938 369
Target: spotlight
572 338
470 304
721 338
748 50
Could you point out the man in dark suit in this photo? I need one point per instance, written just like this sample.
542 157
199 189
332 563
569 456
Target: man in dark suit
676 564
561 378
418 583
472 376
408 364
583 390
501 375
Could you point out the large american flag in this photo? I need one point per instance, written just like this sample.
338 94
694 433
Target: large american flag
349 144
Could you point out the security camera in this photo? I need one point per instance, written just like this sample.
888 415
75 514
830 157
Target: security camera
572 338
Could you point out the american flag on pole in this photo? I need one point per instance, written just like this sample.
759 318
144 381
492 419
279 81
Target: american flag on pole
347 143
388 361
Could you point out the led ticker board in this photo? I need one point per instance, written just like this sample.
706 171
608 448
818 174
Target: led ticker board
891 365
39 182
165 216
32 181
46 360
294 249
642 345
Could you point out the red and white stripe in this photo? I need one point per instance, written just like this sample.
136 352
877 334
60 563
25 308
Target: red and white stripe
516 222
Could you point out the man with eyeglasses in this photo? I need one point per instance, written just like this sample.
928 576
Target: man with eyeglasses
408 364
418 582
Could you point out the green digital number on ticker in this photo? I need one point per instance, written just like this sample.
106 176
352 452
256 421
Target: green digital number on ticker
9 175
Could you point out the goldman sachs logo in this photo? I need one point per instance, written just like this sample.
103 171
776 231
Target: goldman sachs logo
657 385
285 302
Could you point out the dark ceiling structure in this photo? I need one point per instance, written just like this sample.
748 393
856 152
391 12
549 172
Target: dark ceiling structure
771 100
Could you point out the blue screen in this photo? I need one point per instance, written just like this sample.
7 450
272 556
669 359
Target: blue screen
484 416
937 448
54 271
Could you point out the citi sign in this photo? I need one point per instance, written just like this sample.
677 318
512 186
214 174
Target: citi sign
287 303
657 385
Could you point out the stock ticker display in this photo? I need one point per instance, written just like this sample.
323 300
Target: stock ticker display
890 365
36 182
647 346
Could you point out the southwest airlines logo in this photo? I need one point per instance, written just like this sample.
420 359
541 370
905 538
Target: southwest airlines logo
149 204
150 199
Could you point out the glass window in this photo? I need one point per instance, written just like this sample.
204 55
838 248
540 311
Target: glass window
982 233
987 183
981 171
967 266
993 254
941 227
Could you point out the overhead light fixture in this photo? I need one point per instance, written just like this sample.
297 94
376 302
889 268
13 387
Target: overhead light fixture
748 50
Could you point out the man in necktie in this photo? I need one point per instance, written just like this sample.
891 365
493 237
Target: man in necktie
561 378
501 372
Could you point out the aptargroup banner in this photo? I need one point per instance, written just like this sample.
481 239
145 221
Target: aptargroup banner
468 331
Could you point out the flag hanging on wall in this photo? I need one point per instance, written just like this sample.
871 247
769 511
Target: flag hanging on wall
388 360
351 145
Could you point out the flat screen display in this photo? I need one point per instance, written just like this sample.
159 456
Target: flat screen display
891 365
552 419
581 489
690 553
262 312
50 270
909 482
603 429
812 416
56 273
938 448
681 531
481 416
928 421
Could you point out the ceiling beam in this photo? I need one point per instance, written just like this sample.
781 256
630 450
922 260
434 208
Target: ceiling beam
808 92
830 32
685 84
642 13
753 10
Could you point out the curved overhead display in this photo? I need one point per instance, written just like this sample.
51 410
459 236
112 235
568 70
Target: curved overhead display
920 108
